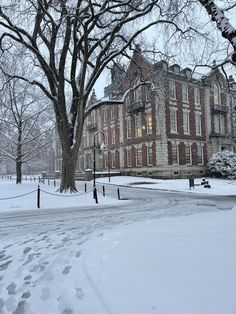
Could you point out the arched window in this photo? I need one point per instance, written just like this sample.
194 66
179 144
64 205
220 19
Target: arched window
217 99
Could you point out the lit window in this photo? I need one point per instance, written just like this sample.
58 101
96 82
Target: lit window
175 154
186 122
149 123
173 121
138 157
200 154
138 125
188 155
185 93
198 122
172 89
149 156
197 96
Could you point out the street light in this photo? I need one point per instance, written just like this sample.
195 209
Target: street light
103 147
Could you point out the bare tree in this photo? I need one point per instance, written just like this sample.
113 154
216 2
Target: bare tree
23 128
72 42
218 15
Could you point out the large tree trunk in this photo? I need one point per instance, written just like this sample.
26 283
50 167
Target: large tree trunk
18 171
69 160
19 155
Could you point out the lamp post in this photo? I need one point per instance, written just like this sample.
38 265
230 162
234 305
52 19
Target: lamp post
103 147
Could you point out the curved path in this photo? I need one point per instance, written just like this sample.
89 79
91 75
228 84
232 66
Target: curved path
40 250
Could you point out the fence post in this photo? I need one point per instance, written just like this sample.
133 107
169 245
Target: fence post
118 193
38 197
103 190
95 195
54 182
85 188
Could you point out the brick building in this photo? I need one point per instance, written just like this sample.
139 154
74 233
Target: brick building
169 125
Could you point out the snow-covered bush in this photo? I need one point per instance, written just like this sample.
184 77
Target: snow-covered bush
223 164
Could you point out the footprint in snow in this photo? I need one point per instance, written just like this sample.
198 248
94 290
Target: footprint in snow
26 295
66 270
26 250
4 266
11 288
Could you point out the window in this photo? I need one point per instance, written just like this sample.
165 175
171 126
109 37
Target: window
217 100
197 96
112 112
149 155
129 161
185 93
138 125
137 94
127 103
138 157
198 122
219 124
200 155
186 122
105 116
128 124
188 155
147 93
113 136
173 121
172 89
149 123
113 160
175 154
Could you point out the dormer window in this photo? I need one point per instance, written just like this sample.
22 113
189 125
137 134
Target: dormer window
217 99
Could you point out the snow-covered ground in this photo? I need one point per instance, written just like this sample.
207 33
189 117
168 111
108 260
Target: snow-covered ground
9 189
76 262
218 186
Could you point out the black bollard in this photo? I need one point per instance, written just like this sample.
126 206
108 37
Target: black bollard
85 188
38 197
95 195
103 190
118 193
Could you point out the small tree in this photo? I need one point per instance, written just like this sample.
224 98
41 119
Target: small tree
24 124
223 164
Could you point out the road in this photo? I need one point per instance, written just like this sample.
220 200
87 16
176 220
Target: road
41 248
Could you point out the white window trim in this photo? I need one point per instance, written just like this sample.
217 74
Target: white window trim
190 153
177 154
149 164
197 96
176 127
199 115
174 89
187 93
202 154
188 122
136 155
